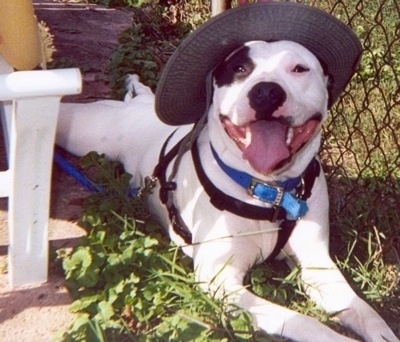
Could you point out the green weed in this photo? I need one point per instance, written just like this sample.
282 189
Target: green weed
145 47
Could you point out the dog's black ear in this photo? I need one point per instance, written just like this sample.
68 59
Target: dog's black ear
235 66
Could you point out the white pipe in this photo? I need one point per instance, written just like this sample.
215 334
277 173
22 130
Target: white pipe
38 83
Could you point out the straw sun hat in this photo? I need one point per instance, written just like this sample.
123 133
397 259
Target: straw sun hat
181 93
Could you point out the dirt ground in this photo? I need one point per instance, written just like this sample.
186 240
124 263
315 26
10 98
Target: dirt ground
84 36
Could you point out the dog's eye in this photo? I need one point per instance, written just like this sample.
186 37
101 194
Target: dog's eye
239 69
300 69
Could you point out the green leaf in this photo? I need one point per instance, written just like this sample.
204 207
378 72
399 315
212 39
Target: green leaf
243 323
81 258
84 303
106 311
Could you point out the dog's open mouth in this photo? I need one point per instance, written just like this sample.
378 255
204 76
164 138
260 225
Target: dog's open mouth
269 144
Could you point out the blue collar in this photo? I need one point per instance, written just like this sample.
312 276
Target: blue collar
278 195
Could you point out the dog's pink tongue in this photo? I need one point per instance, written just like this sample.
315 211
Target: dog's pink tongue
267 145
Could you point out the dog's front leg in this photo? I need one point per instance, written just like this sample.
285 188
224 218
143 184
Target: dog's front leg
325 284
221 267
322 280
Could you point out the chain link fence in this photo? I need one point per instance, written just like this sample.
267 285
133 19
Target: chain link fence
361 148
362 139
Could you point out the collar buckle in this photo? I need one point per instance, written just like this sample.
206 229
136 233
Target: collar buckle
301 189
265 192
279 196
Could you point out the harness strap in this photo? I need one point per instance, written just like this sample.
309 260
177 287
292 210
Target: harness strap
160 170
167 186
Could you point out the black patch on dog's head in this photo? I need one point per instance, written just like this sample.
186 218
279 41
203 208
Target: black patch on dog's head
234 68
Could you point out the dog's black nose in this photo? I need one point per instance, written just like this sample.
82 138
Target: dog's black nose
265 98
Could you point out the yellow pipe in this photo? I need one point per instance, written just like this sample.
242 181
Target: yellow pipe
19 36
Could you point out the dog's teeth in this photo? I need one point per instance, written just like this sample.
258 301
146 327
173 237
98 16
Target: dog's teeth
289 136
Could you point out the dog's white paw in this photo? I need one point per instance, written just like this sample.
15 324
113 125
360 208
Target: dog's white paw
367 323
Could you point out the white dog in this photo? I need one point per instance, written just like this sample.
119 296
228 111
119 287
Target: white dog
269 101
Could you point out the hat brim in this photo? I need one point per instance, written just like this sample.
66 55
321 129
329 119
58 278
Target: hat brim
181 92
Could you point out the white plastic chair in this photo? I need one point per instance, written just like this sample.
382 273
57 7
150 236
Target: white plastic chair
30 103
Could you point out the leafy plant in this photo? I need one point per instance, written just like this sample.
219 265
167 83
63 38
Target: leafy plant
145 47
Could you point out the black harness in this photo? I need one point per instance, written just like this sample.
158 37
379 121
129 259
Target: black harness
222 201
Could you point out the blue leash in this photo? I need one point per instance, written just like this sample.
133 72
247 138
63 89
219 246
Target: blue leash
72 171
